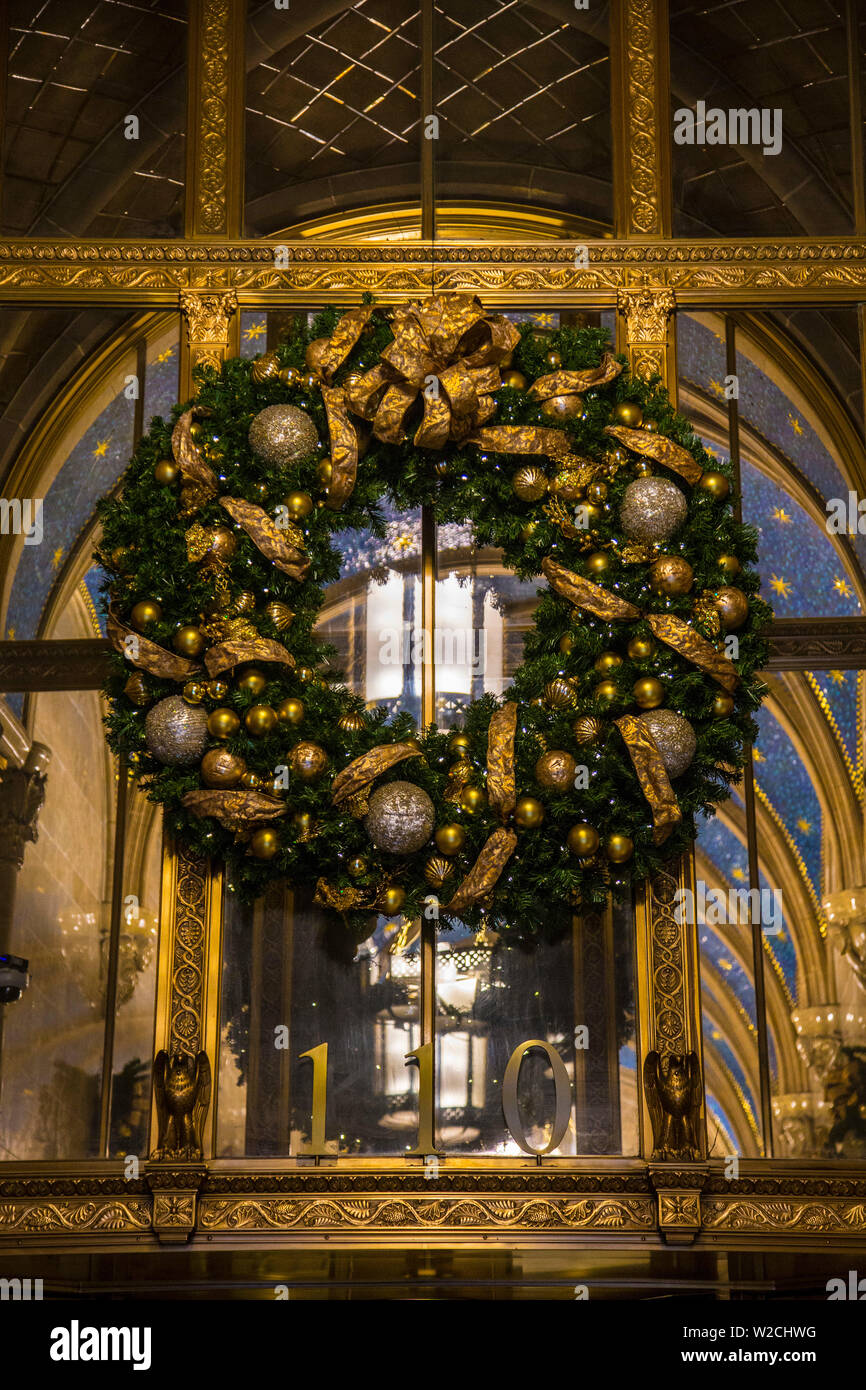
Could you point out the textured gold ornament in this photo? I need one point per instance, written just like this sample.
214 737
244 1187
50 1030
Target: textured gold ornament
223 723
450 839
245 602
648 692
166 472
723 706
145 612
136 690
628 413
264 843
392 900
280 434
641 648
587 729
189 641
652 510
529 812
671 575
352 723
316 353
308 761
252 681
582 840
401 818
716 484
220 768
732 607
562 407
291 711
437 871
261 720
608 661
280 614
529 482
559 693
619 848
265 368
568 484
556 769
176 732
706 614
674 737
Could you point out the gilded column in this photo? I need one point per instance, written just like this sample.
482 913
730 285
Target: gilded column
640 107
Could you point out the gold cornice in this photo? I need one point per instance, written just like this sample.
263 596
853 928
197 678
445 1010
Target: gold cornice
705 271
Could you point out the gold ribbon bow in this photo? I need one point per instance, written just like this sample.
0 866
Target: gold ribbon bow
446 347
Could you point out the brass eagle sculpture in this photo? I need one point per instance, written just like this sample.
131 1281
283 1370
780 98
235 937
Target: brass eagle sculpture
673 1092
182 1086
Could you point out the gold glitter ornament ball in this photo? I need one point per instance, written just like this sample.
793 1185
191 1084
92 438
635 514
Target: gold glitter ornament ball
176 732
282 433
401 818
652 510
675 739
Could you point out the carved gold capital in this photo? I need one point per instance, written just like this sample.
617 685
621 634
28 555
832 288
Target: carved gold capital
207 316
647 314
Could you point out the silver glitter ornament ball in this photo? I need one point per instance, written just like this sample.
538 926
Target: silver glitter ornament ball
176 732
401 818
652 509
675 739
282 433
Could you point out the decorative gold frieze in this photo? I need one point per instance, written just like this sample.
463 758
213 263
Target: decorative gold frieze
66 1214
808 1217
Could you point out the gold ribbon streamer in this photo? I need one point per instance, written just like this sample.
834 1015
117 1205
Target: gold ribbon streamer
236 810
151 657
501 788
361 771
650 770
267 537
568 383
344 337
683 638
345 447
656 446
187 456
583 593
523 439
485 872
234 651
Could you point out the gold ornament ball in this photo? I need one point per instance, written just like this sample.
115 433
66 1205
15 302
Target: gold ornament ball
732 607
265 843
357 867
472 799
559 693
220 768
671 575
461 772
716 484
325 473
223 723
514 379
280 434
598 562
450 839
305 675
596 492
280 614
587 729
304 822
459 744
582 840
289 376
261 720
195 431
136 689
628 413
723 705
566 643
393 899
437 871
592 513
251 780
606 691
729 565
194 692
553 360
166 472
648 692
400 818
555 769
562 407
529 812
674 737
291 711
309 381
608 661
189 641
217 690
245 602
252 681
650 425
352 723
652 510
643 468
529 482
641 648
619 848
299 505
144 613
527 531
308 761
265 368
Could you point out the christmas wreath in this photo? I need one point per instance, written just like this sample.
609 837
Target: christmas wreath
628 715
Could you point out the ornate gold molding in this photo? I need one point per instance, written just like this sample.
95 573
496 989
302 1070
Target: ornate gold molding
69 1215
829 270
214 168
207 318
809 1217
647 315
640 108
